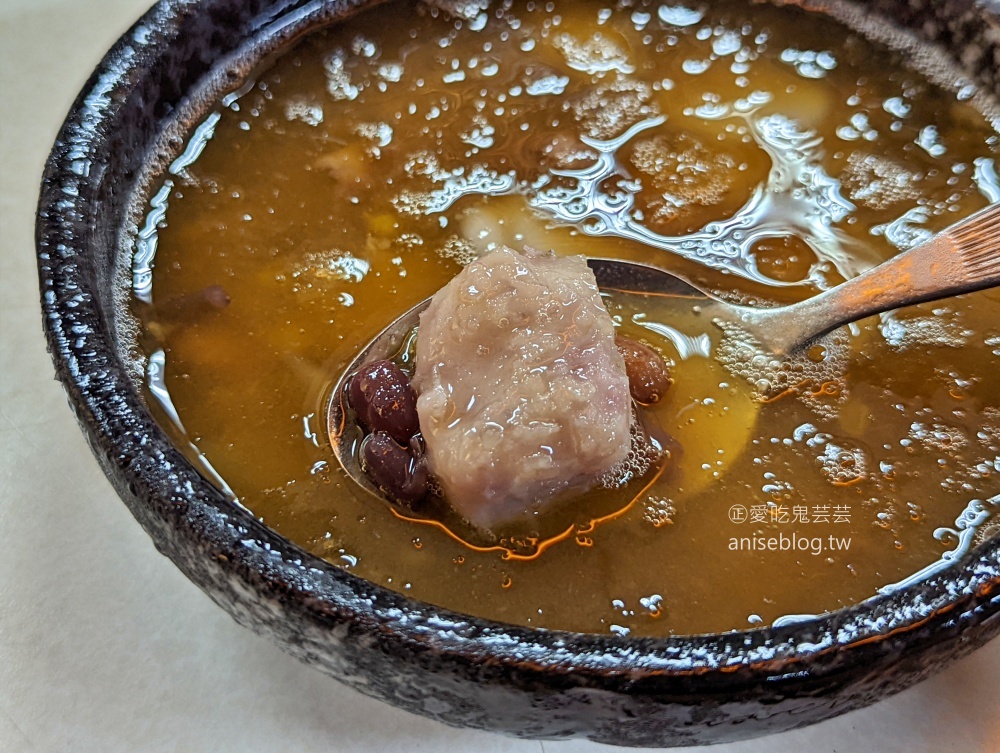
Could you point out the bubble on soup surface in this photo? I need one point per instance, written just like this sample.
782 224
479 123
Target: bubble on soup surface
464 9
596 54
643 453
680 15
817 377
907 230
480 133
988 530
303 108
322 267
879 182
459 250
658 511
843 462
679 174
939 437
608 110
424 162
338 80
380 134
562 151
474 179
908 330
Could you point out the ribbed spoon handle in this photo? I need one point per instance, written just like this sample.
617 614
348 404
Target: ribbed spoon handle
962 259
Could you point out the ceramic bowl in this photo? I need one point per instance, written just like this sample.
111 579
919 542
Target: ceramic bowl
458 669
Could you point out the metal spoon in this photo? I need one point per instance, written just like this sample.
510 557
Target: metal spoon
961 259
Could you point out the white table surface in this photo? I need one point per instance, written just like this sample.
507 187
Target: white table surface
104 646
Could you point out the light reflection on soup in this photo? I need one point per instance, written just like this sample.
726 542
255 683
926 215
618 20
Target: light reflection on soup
764 152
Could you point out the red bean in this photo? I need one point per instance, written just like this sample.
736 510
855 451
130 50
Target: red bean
394 469
383 400
648 375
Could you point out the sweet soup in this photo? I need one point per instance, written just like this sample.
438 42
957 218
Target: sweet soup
764 152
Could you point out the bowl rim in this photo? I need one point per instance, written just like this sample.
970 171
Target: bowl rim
167 493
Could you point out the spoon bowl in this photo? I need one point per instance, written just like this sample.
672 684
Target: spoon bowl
345 434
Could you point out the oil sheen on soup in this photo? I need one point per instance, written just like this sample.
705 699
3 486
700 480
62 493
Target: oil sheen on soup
765 153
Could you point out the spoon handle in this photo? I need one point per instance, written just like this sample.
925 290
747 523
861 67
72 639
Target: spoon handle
962 259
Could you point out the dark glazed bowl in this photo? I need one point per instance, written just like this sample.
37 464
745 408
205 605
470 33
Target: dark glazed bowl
458 669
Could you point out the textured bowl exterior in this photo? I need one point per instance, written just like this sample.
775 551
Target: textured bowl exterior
455 668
